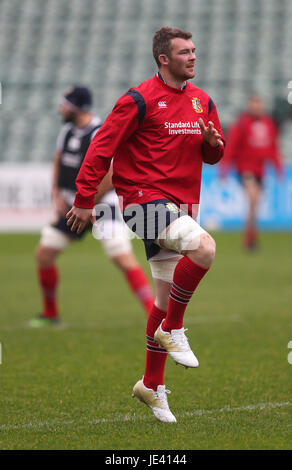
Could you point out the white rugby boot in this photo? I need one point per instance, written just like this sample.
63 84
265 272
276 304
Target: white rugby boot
157 401
177 346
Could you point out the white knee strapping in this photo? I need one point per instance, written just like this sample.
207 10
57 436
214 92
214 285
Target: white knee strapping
164 254
182 234
164 269
116 246
54 238
113 235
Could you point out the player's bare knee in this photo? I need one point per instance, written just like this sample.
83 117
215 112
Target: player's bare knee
45 256
41 255
206 251
207 247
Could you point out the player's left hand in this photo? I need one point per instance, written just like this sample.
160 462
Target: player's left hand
210 134
78 218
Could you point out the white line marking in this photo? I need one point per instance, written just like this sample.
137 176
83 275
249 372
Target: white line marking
119 418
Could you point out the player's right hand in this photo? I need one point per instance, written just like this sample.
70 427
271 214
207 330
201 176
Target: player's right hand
210 134
78 218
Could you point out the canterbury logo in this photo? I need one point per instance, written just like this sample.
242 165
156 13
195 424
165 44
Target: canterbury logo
162 104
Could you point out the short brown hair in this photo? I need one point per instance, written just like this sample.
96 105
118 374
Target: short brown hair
162 38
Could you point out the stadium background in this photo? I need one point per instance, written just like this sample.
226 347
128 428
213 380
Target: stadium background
60 389
47 46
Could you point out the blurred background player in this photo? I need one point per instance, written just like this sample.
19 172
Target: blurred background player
252 142
72 143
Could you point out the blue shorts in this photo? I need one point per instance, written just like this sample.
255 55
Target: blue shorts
148 220
61 224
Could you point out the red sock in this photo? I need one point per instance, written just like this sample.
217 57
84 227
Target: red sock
250 237
48 278
141 287
155 355
186 277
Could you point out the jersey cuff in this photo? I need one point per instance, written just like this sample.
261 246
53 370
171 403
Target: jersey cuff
211 154
84 202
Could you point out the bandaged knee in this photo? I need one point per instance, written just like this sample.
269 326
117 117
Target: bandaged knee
182 234
114 237
54 238
164 269
116 246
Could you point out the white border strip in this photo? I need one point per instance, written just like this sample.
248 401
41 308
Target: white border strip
132 418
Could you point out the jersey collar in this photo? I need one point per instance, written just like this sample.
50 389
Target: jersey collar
162 79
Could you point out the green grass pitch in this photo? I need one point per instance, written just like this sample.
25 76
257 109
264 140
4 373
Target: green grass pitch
71 388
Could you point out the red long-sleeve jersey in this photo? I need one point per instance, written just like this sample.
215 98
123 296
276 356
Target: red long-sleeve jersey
251 143
155 139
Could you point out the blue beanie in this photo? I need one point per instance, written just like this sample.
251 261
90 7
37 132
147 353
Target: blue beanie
80 97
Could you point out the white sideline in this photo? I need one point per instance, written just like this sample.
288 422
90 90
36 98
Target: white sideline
124 418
